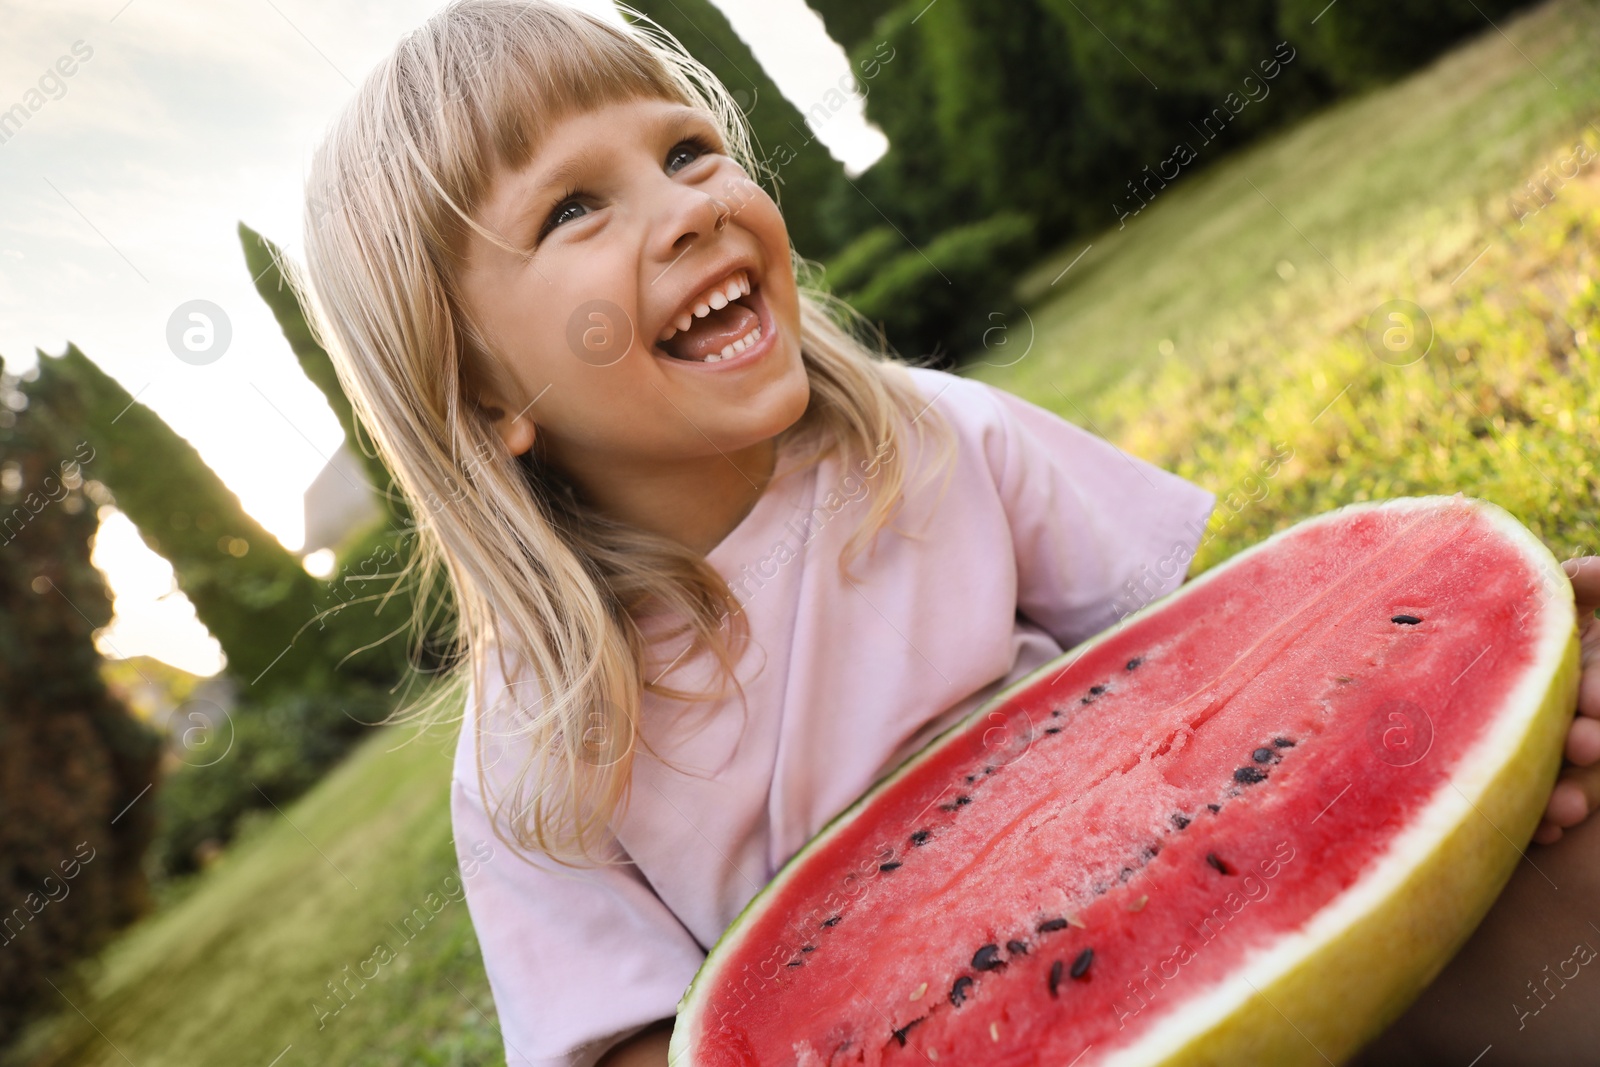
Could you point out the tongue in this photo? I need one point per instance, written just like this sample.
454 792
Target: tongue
710 335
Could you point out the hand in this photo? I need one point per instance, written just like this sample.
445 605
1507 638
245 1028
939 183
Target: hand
1577 793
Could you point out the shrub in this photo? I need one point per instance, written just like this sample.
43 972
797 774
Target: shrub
941 298
76 769
1360 43
262 752
855 264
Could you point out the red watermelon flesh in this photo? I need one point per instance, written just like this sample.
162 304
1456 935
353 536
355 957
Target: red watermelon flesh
1250 822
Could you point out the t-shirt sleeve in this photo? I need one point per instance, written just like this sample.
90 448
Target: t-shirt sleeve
578 960
1097 533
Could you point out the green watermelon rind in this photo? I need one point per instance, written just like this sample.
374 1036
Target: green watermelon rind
1535 747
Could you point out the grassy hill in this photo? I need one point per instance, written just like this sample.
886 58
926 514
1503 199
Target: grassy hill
1225 321
1229 319
237 968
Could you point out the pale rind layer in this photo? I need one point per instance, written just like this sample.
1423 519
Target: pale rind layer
1320 993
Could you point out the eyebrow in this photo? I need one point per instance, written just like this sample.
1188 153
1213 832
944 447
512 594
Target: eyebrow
570 170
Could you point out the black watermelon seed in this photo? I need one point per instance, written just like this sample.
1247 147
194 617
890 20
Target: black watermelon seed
1017 948
1180 820
1123 877
1220 865
1096 690
971 778
1055 977
1262 755
1134 662
1081 964
1086 700
1249 775
958 992
887 867
808 948
1056 713
797 963
900 1034
1214 807
963 799
987 958
1051 925
833 921
1283 742
921 837
1406 620
1052 729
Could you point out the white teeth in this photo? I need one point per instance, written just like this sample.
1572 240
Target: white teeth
731 350
738 285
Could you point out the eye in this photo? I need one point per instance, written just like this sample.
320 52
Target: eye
695 143
560 212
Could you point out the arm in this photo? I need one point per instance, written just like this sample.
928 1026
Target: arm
576 957
647 1048
1098 533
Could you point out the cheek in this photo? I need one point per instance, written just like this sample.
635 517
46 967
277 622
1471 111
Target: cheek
753 208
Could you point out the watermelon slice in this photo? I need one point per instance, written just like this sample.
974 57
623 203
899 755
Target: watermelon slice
1246 825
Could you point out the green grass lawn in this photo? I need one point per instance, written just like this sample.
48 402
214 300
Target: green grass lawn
1225 322
1228 320
236 970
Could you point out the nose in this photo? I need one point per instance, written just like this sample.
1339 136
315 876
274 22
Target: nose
690 214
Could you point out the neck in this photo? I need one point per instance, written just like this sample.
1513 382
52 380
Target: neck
695 502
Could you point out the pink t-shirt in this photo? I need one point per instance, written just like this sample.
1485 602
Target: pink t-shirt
1045 535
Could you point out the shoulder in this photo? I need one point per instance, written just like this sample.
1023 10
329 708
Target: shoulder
954 394
974 408
988 421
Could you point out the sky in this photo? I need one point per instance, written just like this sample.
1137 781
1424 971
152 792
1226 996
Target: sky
125 183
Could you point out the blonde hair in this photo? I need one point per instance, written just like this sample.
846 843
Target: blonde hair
537 575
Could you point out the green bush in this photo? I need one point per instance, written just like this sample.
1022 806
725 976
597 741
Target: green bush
1077 111
850 21
1360 43
941 298
261 753
76 768
855 264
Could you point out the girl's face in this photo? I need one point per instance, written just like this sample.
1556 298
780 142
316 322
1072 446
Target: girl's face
632 218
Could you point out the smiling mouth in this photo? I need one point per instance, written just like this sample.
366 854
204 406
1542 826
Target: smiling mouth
721 333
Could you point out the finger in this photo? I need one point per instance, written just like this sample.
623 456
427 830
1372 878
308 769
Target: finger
1589 679
1583 740
1548 833
1574 797
1584 571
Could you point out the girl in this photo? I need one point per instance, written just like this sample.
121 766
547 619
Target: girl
718 565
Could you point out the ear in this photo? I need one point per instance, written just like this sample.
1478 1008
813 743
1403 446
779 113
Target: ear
498 403
517 431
